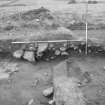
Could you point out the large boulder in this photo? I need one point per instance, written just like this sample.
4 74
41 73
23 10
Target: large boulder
29 56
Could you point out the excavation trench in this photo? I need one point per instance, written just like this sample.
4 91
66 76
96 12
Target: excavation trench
84 73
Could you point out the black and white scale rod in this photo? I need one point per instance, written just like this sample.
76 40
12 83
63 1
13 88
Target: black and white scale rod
86 31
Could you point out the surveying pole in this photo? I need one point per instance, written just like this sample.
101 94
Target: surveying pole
86 30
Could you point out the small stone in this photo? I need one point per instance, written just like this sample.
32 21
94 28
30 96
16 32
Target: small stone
64 53
83 43
51 102
72 45
37 20
1 50
57 52
97 45
80 51
51 45
52 57
53 48
104 67
31 102
89 51
31 48
40 54
62 48
75 47
47 59
47 92
46 74
35 83
65 44
100 50
18 54
103 48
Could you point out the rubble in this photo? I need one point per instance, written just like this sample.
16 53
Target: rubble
48 92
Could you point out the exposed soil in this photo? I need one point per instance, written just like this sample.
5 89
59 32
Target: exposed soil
30 80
